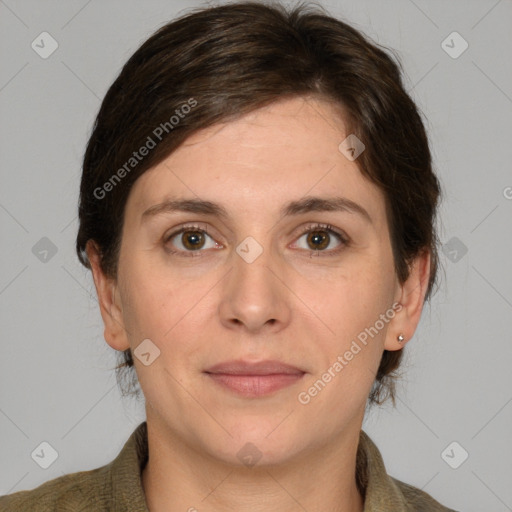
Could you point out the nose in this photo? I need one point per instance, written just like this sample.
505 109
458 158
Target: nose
254 296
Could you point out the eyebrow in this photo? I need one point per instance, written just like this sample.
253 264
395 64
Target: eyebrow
301 206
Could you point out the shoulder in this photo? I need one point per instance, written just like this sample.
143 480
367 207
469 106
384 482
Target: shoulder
384 492
75 492
419 500
114 486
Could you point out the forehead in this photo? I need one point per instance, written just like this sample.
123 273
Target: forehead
290 129
279 153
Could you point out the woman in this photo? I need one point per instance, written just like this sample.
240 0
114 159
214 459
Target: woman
257 208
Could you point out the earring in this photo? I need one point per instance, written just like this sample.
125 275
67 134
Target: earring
400 338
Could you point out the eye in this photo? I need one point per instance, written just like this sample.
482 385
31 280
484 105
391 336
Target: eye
319 237
192 239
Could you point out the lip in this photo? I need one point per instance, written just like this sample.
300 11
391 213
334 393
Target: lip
251 379
241 367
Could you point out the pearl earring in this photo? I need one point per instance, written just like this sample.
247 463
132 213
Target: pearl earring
400 338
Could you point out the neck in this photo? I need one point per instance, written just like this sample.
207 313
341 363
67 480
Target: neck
179 477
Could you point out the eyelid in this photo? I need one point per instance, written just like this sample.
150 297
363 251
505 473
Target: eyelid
320 226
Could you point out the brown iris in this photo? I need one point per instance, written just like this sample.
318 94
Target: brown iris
193 240
319 241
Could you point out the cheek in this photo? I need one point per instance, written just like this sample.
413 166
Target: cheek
350 357
161 305
352 303
147 301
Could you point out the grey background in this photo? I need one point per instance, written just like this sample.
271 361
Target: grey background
56 378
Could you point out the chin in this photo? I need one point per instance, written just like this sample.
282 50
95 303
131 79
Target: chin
257 442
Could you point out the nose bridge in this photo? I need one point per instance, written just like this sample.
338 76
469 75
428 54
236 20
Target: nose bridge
252 259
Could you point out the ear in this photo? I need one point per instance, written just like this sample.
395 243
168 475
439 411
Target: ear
411 296
109 301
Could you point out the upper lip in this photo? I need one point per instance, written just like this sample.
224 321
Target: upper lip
241 367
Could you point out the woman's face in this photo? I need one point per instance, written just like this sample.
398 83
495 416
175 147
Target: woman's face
250 287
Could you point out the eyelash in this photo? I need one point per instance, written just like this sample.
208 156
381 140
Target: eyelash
312 227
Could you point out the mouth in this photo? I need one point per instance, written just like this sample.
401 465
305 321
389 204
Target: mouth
254 379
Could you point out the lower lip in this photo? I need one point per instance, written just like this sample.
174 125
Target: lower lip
255 385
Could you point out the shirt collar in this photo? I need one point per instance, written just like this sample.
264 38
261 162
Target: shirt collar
379 489
126 473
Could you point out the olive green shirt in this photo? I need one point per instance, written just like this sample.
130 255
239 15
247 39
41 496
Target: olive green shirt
117 486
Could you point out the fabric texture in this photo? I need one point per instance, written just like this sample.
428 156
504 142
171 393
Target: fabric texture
117 486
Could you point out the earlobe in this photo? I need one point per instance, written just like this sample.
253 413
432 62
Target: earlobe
106 290
412 296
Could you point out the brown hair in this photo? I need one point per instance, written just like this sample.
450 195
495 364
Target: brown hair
223 62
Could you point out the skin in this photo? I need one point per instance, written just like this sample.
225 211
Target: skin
287 305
